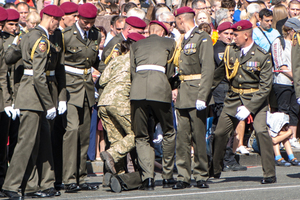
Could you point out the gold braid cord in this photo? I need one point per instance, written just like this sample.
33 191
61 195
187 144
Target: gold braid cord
36 45
110 55
298 38
176 54
230 71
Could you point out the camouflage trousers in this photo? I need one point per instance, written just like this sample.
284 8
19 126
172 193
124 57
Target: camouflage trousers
118 127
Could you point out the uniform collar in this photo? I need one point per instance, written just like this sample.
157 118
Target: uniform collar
81 31
46 31
246 49
187 34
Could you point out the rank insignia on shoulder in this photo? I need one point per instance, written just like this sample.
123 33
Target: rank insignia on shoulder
204 40
220 56
42 46
75 33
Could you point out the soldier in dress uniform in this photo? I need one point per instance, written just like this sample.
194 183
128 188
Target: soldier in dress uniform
37 100
248 69
196 74
81 53
112 49
151 90
4 120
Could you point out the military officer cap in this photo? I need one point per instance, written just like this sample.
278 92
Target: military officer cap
136 22
159 23
53 10
241 25
3 14
88 10
182 10
224 26
136 36
69 7
12 15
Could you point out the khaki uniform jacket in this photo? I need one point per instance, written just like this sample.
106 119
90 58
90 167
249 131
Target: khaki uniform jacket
196 57
82 55
33 93
149 84
296 64
108 49
4 94
254 71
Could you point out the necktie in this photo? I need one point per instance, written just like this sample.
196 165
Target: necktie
243 54
85 37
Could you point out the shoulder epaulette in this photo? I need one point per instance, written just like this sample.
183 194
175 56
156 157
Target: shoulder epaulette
262 50
199 31
66 29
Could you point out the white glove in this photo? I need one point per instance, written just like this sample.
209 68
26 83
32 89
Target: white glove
62 107
242 113
10 112
96 95
200 105
158 140
51 113
16 110
298 101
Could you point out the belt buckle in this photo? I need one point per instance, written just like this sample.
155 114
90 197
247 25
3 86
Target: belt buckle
47 73
85 71
241 91
181 78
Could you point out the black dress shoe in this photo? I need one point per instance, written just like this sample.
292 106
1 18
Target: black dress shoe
38 194
2 195
168 183
106 179
109 161
202 184
51 192
115 184
87 186
148 184
181 185
268 180
234 167
72 188
216 176
12 195
59 186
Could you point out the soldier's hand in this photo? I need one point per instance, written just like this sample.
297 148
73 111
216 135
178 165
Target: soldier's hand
200 105
51 113
242 113
298 101
159 139
10 112
62 107
17 111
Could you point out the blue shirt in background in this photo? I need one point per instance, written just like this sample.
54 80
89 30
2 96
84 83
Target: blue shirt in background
261 40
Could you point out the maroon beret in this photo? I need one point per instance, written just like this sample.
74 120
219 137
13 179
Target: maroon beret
159 23
12 15
241 25
3 14
88 10
69 7
54 11
182 10
224 26
136 36
136 22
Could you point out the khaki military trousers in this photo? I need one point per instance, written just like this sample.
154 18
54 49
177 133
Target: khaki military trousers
191 127
76 143
225 127
119 133
42 176
26 151
144 145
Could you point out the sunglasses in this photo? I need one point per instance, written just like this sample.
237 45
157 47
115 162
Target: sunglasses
170 23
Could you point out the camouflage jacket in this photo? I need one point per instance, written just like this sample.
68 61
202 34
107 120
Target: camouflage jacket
116 82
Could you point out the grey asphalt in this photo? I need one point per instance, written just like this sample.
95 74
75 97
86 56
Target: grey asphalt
231 185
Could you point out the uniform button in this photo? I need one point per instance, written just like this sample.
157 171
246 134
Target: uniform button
180 61
84 79
180 71
199 84
87 58
240 76
240 85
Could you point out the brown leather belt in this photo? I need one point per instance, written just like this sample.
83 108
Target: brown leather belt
190 77
244 91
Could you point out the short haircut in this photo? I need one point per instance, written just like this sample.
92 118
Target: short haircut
128 6
195 2
265 12
293 2
163 16
253 8
23 4
228 4
8 5
136 12
221 14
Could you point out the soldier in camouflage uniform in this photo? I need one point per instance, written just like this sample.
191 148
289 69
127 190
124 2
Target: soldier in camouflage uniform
114 109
